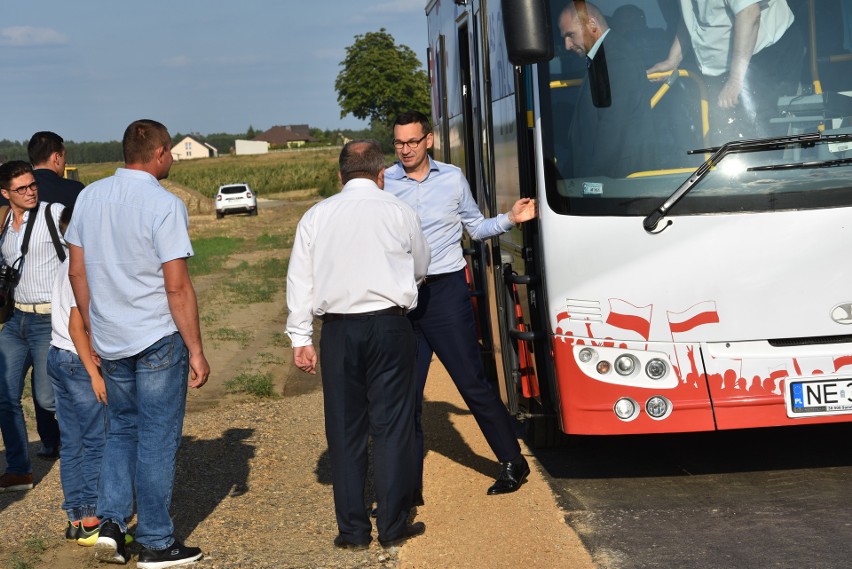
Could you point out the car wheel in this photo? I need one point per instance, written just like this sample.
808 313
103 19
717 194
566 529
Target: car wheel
254 211
219 215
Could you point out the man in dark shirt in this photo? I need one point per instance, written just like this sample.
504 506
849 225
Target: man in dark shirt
47 155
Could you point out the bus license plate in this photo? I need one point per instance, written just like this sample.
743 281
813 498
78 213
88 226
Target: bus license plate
817 397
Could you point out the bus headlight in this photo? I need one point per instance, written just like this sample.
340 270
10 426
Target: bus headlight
658 407
656 368
626 409
625 365
603 367
586 355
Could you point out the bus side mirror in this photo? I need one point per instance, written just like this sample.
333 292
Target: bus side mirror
526 25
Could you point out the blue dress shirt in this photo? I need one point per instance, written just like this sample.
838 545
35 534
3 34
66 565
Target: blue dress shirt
445 206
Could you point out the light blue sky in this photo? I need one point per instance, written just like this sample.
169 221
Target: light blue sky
87 68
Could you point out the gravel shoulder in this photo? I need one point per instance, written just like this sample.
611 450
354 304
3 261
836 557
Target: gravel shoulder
253 486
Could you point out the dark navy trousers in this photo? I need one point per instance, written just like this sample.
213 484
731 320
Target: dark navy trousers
444 325
368 387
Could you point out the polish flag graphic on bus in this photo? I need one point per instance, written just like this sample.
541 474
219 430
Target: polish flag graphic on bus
693 317
627 316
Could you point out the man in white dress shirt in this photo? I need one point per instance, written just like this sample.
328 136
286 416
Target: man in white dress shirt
749 52
356 262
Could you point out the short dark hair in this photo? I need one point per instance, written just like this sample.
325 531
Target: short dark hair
42 146
361 159
142 138
11 170
410 117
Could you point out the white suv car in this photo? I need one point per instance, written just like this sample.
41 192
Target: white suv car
235 198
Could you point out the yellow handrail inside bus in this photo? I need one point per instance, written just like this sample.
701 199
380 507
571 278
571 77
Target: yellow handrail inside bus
671 78
650 173
812 34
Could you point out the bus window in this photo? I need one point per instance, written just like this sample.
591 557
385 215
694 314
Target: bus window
623 159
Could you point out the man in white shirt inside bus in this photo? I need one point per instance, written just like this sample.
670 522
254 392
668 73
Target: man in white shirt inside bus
749 51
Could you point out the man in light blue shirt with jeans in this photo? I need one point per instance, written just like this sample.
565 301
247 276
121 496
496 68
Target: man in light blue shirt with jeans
129 244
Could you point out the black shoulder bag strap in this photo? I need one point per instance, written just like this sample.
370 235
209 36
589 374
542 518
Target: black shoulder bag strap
54 234
7 221
25 245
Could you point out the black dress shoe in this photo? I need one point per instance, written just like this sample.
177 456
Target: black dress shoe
512 475
407 533
344 543
48 453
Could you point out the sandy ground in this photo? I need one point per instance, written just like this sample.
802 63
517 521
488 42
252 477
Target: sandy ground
466 528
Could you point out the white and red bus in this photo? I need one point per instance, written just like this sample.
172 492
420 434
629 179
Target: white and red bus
709 289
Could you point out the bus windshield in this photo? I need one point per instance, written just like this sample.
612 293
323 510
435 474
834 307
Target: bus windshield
640 93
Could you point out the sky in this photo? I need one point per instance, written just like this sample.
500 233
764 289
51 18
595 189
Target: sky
86 69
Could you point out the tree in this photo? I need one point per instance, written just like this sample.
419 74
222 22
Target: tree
380 79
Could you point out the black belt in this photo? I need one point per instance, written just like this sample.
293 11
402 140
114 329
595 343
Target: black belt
432 278
391 311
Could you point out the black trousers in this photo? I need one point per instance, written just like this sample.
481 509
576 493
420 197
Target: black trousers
444 325
368 388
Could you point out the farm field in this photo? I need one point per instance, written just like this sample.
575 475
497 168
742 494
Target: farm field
267 174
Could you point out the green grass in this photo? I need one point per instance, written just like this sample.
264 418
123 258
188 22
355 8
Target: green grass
280 340
267 358
257 384
257 282
93 172
211 253
36 544
281 241
20 563
242 337
32 548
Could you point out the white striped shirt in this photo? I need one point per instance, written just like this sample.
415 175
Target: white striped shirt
41 263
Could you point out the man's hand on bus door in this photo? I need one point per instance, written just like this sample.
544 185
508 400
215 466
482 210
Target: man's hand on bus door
523 210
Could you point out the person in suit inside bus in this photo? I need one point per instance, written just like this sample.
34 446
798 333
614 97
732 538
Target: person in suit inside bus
612 122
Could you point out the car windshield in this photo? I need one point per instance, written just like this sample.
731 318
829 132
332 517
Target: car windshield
617 139
234 189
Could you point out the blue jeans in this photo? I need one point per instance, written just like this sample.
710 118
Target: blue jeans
146 401
24 341
82 420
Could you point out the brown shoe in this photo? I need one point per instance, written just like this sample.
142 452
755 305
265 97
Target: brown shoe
15 482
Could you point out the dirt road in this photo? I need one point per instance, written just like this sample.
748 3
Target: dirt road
253 486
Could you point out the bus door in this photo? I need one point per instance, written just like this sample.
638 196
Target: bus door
509 164
465 131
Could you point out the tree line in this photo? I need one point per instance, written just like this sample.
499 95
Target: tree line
97 152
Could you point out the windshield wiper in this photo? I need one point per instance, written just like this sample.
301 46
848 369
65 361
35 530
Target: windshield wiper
652 221
803 165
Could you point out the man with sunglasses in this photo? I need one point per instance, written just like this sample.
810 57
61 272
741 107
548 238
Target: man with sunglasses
443 320
25 338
